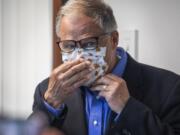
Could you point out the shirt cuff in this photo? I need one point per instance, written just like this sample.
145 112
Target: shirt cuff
54 111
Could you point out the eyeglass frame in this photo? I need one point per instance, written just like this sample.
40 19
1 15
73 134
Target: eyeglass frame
79 41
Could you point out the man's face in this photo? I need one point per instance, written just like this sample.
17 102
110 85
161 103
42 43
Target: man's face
78 27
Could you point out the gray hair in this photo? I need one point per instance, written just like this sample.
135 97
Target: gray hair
98 10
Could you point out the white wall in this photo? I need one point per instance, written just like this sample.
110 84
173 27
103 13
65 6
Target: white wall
158 23
27 52
0 56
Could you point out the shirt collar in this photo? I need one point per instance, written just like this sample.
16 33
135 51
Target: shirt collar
121 65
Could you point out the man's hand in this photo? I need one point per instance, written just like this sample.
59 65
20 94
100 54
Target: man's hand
51 131
65 79
114 90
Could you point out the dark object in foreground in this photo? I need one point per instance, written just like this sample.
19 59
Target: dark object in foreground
35 125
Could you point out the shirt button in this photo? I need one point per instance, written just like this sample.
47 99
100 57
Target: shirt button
95 122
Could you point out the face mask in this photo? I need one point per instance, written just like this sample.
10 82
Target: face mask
96 57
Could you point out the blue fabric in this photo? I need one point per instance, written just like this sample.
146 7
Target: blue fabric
97 109
55 112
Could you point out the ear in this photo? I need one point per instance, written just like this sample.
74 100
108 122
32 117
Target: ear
115 39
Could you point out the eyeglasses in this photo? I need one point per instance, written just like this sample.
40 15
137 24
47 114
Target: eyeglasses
90 43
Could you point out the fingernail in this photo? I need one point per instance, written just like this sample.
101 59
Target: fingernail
81 59
87 62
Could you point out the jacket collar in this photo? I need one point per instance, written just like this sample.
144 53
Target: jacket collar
133 77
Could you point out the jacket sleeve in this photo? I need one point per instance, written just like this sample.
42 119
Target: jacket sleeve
139 119
39 106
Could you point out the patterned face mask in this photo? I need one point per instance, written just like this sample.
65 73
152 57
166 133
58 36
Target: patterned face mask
96 57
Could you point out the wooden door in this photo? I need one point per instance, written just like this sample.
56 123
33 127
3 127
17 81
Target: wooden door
56 51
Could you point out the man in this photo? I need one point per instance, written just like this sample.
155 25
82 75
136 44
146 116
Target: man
100 89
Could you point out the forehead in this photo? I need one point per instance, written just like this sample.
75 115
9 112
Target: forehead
77 26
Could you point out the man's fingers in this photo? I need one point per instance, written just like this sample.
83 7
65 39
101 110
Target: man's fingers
99 88
80 83
103 81
64 67
76 69
73 87
113 77
102 94
77 77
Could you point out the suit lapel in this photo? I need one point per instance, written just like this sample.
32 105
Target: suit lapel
75 122
133 78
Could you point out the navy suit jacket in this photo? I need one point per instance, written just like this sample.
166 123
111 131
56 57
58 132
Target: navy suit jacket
153 108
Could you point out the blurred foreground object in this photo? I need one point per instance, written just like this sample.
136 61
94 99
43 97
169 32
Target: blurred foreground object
35 125
13 127
51 131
